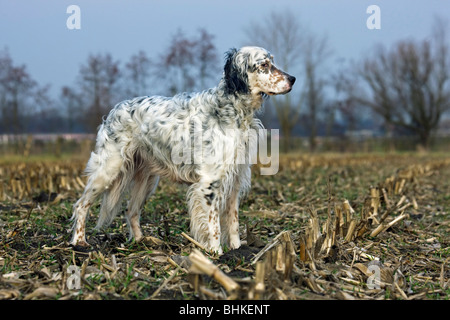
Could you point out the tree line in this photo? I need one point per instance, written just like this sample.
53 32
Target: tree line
187 64
403 89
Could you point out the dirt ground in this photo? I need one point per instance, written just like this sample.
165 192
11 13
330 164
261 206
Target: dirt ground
326 226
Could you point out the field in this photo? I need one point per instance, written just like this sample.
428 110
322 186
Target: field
326 226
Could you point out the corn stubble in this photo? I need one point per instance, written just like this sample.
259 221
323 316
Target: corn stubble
325 227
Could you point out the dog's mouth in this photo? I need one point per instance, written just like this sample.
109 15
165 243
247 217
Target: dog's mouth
271 93
287 91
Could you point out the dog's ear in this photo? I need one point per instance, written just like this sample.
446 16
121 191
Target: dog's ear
235 76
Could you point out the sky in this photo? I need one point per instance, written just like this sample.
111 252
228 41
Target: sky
35 32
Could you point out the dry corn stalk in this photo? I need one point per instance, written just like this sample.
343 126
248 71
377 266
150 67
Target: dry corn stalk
279 255
383 227
375 200
24 180
316 243
350 231
382 275
259 287
202 265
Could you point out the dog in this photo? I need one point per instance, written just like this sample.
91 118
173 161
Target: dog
141 140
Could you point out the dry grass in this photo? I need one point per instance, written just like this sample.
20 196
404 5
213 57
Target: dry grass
325 227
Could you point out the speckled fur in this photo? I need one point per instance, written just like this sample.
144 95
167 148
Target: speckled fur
146 138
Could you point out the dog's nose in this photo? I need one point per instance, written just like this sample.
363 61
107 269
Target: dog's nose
291 79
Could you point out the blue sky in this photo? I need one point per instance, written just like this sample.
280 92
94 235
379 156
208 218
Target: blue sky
35 32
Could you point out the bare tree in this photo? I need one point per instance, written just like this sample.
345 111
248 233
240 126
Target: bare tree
298 52
98 80
352 115
137 74
344 87
188 60
176 64
409 85
18 94
280 33
206 57
73 102
45 116
315 53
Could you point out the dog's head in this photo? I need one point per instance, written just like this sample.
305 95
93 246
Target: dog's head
251 70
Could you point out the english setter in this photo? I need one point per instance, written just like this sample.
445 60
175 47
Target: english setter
142 139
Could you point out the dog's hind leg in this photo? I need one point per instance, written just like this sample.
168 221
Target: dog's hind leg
143 186
112 200
102 170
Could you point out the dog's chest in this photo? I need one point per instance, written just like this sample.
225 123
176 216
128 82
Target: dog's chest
237 145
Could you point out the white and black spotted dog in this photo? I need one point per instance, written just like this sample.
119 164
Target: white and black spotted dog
146 138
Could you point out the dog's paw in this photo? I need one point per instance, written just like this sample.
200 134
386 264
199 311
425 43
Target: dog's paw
81 246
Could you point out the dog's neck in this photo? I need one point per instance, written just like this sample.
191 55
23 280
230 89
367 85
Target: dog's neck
250 101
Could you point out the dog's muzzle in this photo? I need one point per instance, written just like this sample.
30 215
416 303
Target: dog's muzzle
291 81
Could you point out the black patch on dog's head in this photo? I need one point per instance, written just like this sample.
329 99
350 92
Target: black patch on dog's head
235 76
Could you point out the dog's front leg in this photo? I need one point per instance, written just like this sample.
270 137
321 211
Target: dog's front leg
204 209
229 220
